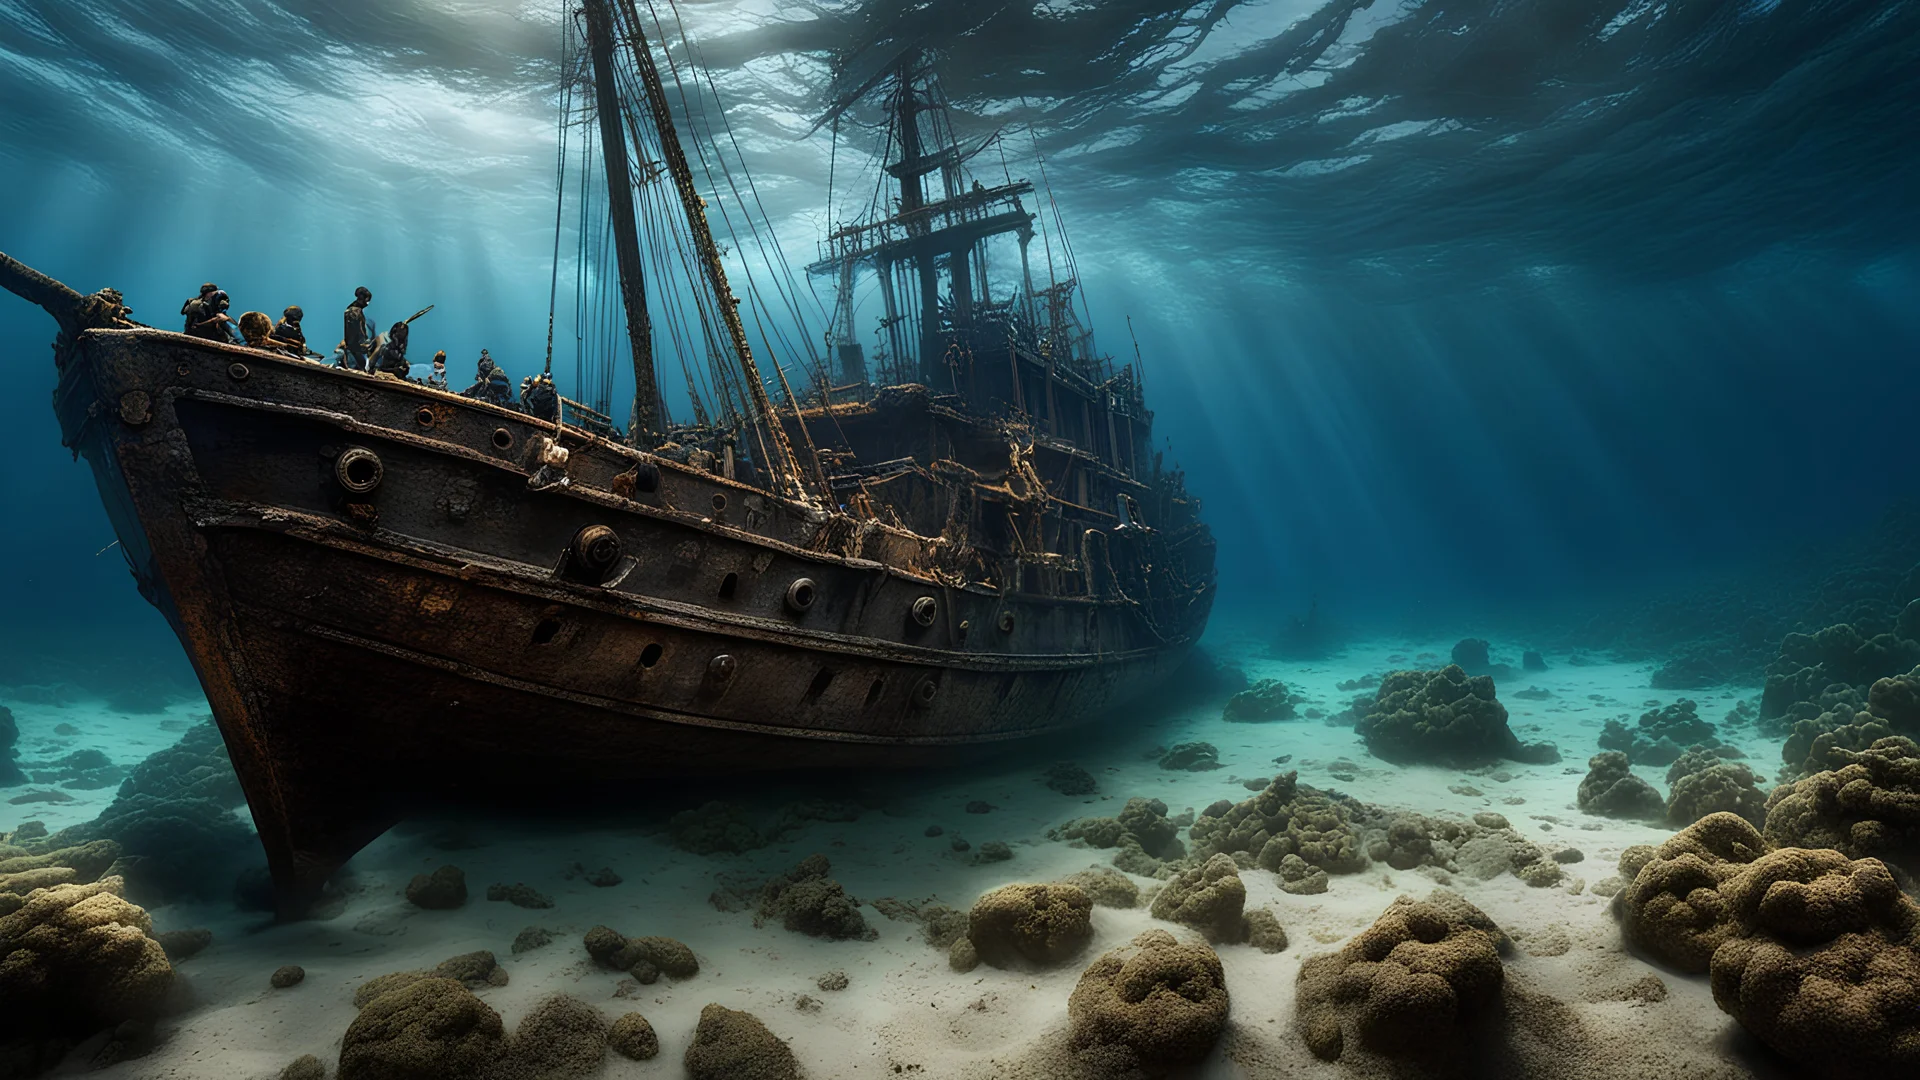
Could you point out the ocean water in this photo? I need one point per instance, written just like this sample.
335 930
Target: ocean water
1586 329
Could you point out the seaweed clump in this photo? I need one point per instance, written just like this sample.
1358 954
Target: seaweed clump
1445 717
1152 1005
1417 984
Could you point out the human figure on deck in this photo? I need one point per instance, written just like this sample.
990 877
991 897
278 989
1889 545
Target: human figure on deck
540 400
357 339
438 380
192 308
393 352
490 383
287 331
208 318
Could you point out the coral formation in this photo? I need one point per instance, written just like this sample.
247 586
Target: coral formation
1070 779
1702 784
1810 663
807 901
1268 699
646 958
75 958
1210 898
1663 735
1445 717
1824 963
433 1029
732 1045
1145 836
173 819
1264 931
1472 655
519 894
442 890
1610 789
1415 984
560 1037
631 1036
1671 908
1869 806
1287 818
1191 757
1105 887
1149 1006
1040 925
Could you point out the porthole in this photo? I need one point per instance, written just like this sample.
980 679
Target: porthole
502 439
721 668
650 655
925 609
801 594
1006 622
358 470
237 372
925 691
423 416
719 501
596 551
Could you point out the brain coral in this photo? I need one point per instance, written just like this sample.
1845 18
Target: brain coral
1148 1006
1412 985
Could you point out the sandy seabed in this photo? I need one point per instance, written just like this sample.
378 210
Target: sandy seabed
904 1011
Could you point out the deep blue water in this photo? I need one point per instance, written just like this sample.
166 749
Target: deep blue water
1448 309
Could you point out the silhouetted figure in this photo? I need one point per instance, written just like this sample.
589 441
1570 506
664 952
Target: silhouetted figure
490 383
540 400
392 357
357 339
438 379
191 310
213 323
287 331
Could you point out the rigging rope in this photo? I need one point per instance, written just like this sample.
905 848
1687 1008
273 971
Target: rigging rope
560 180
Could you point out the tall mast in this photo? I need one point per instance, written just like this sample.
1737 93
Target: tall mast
785 468
626 234
911 170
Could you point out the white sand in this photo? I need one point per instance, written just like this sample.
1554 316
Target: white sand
905 1012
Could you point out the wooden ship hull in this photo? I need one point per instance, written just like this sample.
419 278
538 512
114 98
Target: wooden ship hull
384 606
393 594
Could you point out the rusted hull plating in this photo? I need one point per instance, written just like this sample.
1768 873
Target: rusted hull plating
440 633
